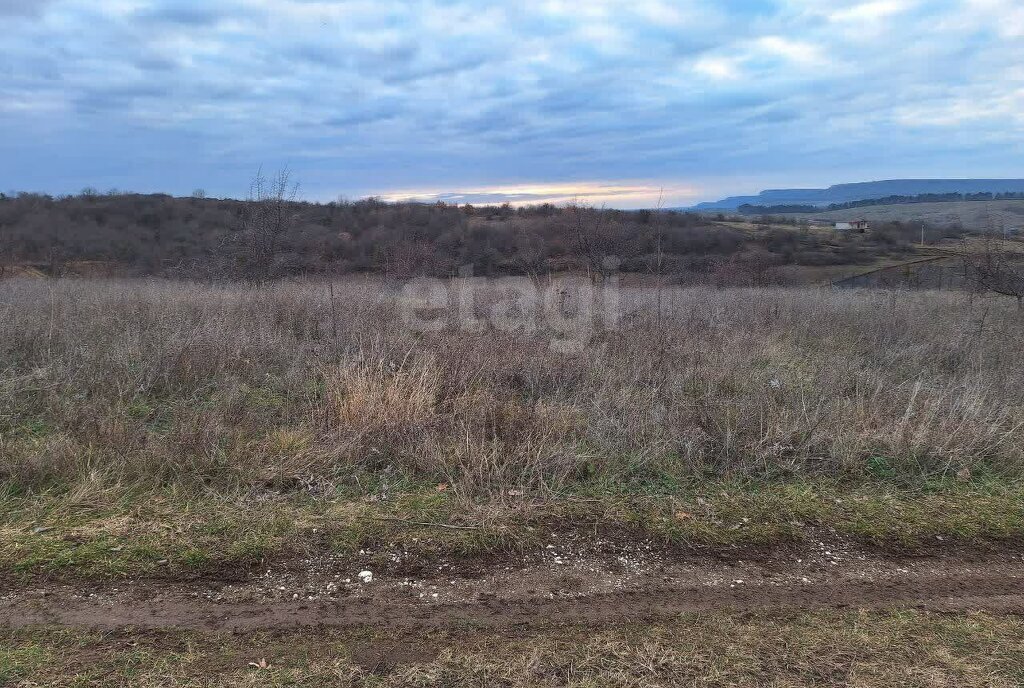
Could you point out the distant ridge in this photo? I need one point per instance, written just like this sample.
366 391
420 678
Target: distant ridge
859 191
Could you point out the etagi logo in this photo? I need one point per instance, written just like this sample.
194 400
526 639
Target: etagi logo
569 309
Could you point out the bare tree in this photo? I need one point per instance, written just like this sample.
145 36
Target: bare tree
268 217
57 252
6 246
659 264
993 268
595 240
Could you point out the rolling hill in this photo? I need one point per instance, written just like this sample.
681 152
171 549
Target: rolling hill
845 193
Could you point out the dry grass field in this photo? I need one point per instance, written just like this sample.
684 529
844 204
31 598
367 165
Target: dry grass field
164 433
973 215
174 383
117 391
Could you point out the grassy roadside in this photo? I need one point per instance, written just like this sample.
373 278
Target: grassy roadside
170 535
907 648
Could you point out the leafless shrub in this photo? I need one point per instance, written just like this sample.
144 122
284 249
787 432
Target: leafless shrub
267 218
598 241
992 267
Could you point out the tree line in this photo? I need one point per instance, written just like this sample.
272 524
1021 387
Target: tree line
272 234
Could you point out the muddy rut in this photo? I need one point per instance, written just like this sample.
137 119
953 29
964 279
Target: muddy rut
565 583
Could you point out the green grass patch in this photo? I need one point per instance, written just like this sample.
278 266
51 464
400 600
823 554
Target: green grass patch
825 648
161 535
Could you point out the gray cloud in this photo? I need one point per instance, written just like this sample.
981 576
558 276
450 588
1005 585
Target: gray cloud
443 92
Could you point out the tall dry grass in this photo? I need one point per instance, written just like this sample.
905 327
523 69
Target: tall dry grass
226 387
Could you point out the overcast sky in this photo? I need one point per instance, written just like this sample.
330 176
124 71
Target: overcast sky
607 100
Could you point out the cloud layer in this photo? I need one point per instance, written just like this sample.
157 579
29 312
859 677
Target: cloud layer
441 98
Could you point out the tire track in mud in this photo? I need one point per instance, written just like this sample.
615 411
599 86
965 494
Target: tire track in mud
150 606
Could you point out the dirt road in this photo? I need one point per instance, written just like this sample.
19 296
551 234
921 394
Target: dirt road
569 581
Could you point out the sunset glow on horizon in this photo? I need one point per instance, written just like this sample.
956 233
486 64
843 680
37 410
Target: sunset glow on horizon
625 195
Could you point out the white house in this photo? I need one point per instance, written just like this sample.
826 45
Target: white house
858 225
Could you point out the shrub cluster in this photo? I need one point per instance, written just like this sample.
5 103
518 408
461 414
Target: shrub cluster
130 234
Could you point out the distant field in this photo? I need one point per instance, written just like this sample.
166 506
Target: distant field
971 214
